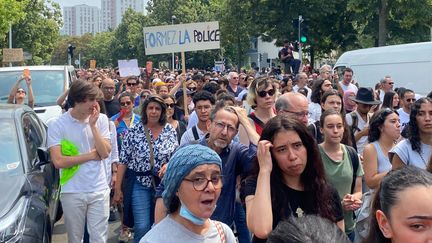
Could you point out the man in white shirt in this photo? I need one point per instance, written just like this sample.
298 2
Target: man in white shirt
358 120
386 86
346 82
85 194
302 80
204 102
407 99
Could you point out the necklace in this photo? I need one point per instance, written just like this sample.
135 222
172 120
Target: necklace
421 156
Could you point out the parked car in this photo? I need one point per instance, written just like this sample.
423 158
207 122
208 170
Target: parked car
29 185
48 83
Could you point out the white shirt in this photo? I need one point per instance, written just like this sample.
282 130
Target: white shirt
188 136
404 118
91 176
409 156
350 86
193 119
361 124
296 88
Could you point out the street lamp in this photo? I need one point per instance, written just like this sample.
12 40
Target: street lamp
173 18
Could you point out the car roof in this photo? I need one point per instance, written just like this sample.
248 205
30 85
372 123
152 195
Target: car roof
11 110
53 67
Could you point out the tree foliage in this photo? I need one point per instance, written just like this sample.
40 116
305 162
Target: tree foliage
38 30
11 11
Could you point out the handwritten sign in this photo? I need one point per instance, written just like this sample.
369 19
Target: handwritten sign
93 64
128 68
181 37
13 55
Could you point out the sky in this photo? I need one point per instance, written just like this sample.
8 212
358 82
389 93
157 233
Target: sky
68 3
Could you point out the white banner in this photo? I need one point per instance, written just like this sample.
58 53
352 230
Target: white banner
181 37
128 68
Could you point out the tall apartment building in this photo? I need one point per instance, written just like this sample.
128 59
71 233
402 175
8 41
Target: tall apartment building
113 10
81 19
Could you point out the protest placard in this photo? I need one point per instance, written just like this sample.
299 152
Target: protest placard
181 37
128 68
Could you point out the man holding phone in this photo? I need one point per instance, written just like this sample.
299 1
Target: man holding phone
17 94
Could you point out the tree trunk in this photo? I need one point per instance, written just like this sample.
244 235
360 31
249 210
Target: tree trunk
382 23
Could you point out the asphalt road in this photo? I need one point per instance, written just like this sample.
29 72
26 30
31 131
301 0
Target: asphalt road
60 236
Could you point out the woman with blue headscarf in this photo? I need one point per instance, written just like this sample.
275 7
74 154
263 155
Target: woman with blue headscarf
193 183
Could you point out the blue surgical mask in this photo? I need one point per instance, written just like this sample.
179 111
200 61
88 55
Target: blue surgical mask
185 213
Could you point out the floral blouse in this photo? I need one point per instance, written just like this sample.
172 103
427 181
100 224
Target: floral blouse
135 152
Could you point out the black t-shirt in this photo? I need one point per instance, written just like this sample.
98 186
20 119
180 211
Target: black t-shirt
112 107
300 202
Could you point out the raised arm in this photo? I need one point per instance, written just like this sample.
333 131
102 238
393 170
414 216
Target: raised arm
30 91
259 215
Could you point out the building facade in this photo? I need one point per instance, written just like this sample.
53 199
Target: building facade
81 19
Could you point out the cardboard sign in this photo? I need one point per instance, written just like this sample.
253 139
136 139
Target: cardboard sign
181 38
149 67
128 68
13 55
93 64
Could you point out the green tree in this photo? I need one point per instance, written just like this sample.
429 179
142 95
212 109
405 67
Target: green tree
38 31
392 22
11 11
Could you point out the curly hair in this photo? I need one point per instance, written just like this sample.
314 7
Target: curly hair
412 126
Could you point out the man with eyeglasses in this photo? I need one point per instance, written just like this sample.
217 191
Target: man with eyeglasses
236 158
132 86
407 100
233 84
302 80
112 105
204 102
386 86
294 105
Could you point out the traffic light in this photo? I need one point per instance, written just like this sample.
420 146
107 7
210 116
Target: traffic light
304 29
70 50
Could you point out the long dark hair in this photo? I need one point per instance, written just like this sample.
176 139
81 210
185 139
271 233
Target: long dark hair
317 90
376 121
387 195
388 100
412 127
313 177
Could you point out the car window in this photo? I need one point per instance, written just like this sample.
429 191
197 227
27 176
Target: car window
32 137
47 85
10 159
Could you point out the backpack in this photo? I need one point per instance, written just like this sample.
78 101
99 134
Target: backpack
355 164
195 133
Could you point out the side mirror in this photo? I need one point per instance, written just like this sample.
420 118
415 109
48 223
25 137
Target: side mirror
44 156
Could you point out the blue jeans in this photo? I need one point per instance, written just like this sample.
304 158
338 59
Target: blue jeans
143 209
244 236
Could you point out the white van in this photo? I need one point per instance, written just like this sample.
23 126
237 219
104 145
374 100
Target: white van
409 65
48 83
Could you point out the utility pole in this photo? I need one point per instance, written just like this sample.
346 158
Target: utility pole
173 18
300 21
10 40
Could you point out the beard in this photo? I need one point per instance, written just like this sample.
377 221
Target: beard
220 143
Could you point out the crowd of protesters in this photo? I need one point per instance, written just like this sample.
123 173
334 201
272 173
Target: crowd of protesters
196 156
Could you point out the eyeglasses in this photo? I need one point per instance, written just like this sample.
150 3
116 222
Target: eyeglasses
201 183
411 100
221 126
391 83
125 103
299 114
131 84
172 105
264 93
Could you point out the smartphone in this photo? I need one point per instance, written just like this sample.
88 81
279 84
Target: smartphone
26 73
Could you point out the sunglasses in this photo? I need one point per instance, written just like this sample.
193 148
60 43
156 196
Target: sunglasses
192 88
125 103
131 84
264 93
170 105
